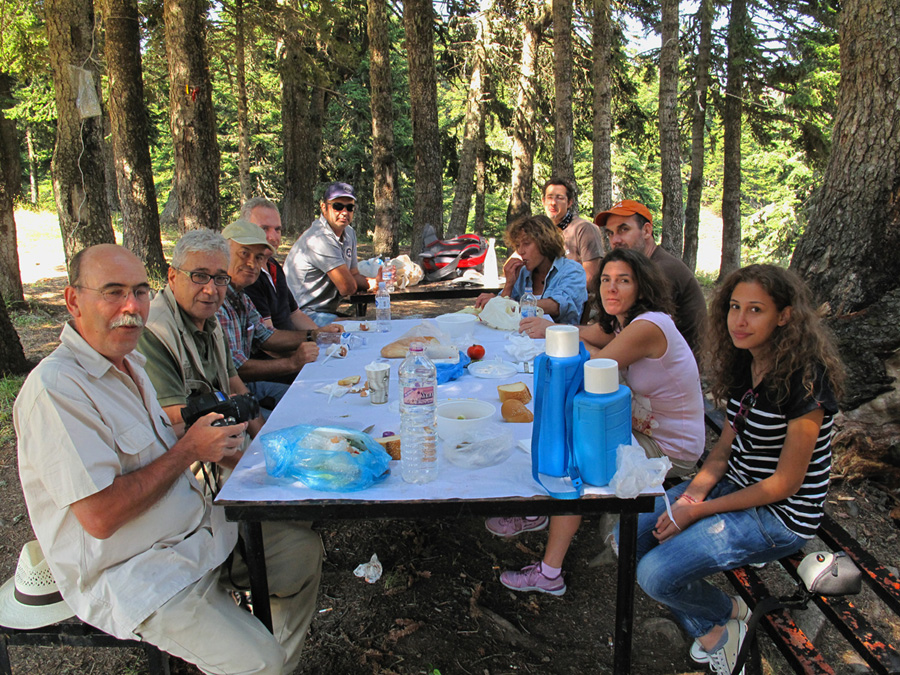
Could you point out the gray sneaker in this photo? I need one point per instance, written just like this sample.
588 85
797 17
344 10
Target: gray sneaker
700 655
722 661
510 527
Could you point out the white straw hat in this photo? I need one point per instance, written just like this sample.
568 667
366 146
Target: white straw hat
31 599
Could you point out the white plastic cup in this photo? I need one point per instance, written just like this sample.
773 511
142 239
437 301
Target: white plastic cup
561 341
378 375
601 376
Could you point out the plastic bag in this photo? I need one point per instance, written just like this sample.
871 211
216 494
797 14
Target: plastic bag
476 450
334 459
452 371
370 571
635 472
406 272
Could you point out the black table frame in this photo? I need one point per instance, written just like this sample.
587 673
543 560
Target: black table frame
252 514
434 291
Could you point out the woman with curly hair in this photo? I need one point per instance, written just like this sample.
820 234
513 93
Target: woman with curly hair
761 492
635 329
559 284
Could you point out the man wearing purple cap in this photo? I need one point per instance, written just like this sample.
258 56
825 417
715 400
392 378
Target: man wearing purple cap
321 267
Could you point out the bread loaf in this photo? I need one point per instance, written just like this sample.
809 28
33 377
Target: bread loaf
391 444
515 411
399 348
516 391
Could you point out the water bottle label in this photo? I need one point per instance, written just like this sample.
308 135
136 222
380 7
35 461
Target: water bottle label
528 311
418 395
382 303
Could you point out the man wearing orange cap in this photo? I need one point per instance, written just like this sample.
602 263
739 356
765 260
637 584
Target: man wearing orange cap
629 224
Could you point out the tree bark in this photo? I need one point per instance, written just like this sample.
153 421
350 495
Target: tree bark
10 277
79 182
193 119
465 183
384 161
418 20
32 166
669 135
242 113
698 135
11 165
302 120
130 129
564 144
480 179
731 144
602 47
12 356
524 139
849 253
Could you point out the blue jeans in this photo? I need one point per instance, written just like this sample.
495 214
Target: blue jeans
674 572
321 318
262 389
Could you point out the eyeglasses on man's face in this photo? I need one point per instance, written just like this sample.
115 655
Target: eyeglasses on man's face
202 278
118 295
739 423
338 206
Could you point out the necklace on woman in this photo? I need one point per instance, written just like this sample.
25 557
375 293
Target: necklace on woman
757 373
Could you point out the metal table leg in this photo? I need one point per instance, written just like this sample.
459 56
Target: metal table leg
625 593
251 531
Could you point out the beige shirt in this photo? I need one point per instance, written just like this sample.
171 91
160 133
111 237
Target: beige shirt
81 423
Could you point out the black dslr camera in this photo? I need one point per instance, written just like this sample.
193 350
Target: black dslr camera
236 409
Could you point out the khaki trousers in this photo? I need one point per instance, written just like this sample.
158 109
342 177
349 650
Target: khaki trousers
203 625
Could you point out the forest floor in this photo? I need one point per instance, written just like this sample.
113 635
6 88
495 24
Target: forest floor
439 608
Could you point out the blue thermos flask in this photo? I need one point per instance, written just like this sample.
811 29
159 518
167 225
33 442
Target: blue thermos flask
557 374
601 421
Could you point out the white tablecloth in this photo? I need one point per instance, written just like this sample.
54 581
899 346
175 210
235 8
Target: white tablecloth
302 405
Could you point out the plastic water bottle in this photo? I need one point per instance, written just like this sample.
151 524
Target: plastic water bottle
418 418
527 303
382 309
387 275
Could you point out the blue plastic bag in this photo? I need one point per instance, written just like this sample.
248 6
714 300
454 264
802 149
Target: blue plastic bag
451 371
334 459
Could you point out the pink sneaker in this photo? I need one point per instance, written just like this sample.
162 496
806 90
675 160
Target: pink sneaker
530 578
510 527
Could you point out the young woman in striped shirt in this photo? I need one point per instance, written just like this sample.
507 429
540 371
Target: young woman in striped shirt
761 491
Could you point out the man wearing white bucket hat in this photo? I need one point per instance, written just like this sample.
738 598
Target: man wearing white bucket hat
31 599
135 544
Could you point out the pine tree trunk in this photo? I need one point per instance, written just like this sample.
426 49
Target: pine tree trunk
669 133
11 165
849 253
32 166
12 356
193 119
384 161
480 179
242 114
79 182
601 43
10 277
418 20
302 122
731 144
524 140
698 136
465 183
564 144
130 128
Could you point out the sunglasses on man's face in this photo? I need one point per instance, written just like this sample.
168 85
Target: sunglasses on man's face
337 206
739 423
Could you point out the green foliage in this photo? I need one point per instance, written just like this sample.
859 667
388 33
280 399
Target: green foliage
9 389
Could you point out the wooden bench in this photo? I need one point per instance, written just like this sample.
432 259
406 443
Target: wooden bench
74 633
790 640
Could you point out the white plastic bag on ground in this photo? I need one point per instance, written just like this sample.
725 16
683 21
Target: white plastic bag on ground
370 571
635 472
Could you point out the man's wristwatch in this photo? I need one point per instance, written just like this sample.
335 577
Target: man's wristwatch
311 335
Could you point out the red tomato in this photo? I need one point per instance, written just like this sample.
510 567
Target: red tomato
476 352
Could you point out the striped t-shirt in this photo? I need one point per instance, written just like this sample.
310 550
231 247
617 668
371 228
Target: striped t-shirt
756 450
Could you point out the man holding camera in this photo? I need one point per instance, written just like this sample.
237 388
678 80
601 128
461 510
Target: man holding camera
135 545
186 350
